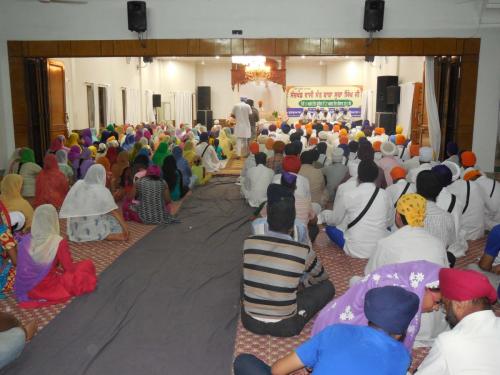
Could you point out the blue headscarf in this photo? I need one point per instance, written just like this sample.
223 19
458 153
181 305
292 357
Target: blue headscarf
129 142
182 165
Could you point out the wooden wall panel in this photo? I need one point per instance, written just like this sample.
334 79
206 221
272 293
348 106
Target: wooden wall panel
237 47
215 47
472 46
305 46
193 47
85 48
355 47
19 103
107 48
15 48
467 101
281 47
417 47
440 46
394 46
326 46
135 47
40 48
172 47
265 47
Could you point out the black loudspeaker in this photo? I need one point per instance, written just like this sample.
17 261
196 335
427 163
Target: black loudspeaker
205 117
382 83
387 120
393 93
137 20
374 15
203 98
156 100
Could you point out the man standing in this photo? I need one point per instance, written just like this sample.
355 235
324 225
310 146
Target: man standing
254 118
242 130
473 344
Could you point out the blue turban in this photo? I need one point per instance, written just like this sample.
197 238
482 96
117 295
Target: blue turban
444 174
285 128
452 148
277 192
392 308
264 132
346 150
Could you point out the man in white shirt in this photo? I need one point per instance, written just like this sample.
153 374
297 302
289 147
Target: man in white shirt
242 129
491 190
368 211
473 345
317 115
399 185
207 154
258 178
305 117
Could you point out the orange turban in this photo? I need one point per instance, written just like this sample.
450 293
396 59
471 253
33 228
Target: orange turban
344 139
379 131
397 173
472 175
313 141
376 146
269 144
254 147
400 139
414 150
468 159
297 126
336 128
309 131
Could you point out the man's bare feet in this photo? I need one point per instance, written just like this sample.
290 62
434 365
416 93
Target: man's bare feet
30 328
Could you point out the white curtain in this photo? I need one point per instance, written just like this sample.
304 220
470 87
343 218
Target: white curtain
150 112
405 107
183 108
367 106
431 105
96 106
133 110
110 108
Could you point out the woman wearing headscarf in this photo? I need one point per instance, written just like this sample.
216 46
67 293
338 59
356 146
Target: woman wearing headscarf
56 145
154 196
183 167
174 178
105 163
62 163
82 164
51 184
160 154
139 166
129 142
8 252
14 161
117 169
420 277
135 151
46 273
189 152
112 155
73 140
12 199
227 142
91 210
28 169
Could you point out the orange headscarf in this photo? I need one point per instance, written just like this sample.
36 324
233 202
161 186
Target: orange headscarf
269 144
398 173
51 184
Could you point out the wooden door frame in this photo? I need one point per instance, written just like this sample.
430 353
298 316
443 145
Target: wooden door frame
467 48
60 65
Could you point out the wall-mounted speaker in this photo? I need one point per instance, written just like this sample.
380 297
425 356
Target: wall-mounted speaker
156 100
147 59
137 20
374 15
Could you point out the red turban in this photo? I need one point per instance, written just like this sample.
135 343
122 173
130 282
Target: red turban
376 146
468 159
398 173
254 147
291 163
465 285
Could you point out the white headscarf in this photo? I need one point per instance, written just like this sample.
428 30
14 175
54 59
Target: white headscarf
45 236
89 197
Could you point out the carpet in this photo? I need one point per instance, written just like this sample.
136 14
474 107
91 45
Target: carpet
233 168
341 268
169 305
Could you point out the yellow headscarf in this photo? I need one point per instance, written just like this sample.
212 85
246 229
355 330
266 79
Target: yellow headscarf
12 199
93 151
189 152
73 140
413 207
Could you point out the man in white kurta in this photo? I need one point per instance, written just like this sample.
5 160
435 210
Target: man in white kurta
399 185
491 190
473 345
207 154
256 182
411 241
242 129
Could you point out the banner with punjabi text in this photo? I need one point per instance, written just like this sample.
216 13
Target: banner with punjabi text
326 97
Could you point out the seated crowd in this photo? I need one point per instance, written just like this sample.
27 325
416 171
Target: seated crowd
98 184
387 200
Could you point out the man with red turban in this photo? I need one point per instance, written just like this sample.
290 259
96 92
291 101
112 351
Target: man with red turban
473 344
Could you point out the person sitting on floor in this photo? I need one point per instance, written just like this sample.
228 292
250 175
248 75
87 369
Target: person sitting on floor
207 154
199 171
489 263
46 273
51 184
155 202
373 348
122 163
12 199
420 277
254 187
160 154
335 173
265 258
174 179
13 337
475 336
438 222
368 211
28 169
319 194
399 185
275 162
91 210
411 241
491 193
452 153
62 162
292 164
183 166
8 252
388 160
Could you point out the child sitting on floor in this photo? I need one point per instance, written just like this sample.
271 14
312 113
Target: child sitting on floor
202 177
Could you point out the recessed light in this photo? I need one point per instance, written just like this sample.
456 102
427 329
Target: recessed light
217 57
203 62
303 56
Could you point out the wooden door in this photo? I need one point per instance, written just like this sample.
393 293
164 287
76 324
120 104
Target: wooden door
57 99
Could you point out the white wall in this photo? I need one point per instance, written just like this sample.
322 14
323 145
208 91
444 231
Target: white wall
345 73
106 19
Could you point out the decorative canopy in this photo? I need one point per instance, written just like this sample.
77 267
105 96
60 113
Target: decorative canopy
270 71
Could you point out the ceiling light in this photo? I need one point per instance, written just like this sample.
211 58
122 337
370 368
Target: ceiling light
202 62
303 56
217 57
